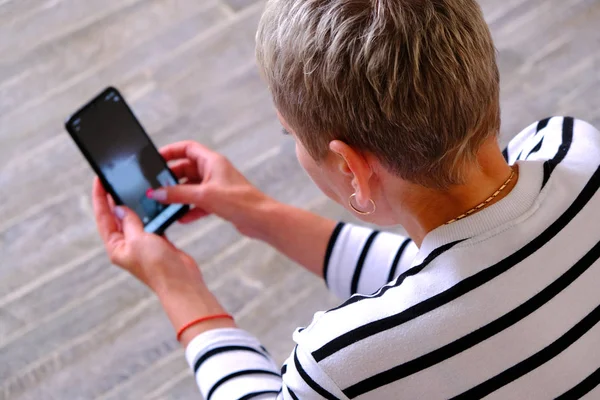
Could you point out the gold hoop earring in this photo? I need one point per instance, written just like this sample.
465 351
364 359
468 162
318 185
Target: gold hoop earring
356 210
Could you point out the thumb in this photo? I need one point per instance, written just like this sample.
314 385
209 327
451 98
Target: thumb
178 194
132 225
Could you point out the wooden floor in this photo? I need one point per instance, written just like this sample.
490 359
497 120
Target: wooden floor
74 327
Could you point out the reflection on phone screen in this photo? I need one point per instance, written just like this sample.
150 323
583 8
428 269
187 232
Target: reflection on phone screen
132 176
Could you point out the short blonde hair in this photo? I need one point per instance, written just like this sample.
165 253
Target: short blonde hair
414 82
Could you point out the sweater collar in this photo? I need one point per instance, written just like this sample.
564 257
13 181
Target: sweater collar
516 203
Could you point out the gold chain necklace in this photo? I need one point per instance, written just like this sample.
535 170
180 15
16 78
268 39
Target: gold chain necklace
483 204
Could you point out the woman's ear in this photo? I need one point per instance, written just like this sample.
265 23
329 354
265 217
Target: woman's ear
354 165
341 153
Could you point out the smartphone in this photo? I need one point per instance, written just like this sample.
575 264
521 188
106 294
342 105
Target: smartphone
121 153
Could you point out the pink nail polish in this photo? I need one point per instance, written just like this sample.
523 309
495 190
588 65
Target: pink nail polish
159 194
119 212
149 193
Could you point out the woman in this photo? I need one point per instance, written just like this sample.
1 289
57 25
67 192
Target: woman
394 107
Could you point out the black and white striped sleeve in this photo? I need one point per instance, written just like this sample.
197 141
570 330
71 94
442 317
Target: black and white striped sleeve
361 260
528 138
232 364
542 140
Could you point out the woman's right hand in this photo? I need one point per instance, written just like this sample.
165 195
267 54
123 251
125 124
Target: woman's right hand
212 185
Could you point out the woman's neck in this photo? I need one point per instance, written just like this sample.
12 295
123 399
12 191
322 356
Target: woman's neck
420 210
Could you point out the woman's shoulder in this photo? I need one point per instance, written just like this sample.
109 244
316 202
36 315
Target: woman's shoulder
543 139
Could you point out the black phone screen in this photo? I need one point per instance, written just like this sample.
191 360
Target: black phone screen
120 150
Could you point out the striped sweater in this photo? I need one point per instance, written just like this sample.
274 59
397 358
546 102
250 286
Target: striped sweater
503 304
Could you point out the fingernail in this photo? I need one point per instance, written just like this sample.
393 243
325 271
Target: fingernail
119 212
158 194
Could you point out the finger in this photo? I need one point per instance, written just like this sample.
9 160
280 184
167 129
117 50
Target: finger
185 169
185 149
111 202
179 194
112 206
132 224
193 215
105 219
191 150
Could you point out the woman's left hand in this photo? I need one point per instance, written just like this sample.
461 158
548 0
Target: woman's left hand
150 258
171 273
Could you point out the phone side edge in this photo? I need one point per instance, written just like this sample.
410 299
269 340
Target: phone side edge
178 214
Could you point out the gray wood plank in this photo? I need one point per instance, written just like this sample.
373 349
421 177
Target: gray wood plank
210 58
35 105
9 323
216 112
96 44
44 241
544 52
125 350
238 5
57 19
152 378
51 298
181 387
52 345
13 11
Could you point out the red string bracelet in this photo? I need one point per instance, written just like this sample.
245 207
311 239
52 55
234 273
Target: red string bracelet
199 320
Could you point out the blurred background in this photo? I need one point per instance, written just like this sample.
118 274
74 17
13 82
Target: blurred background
74 327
